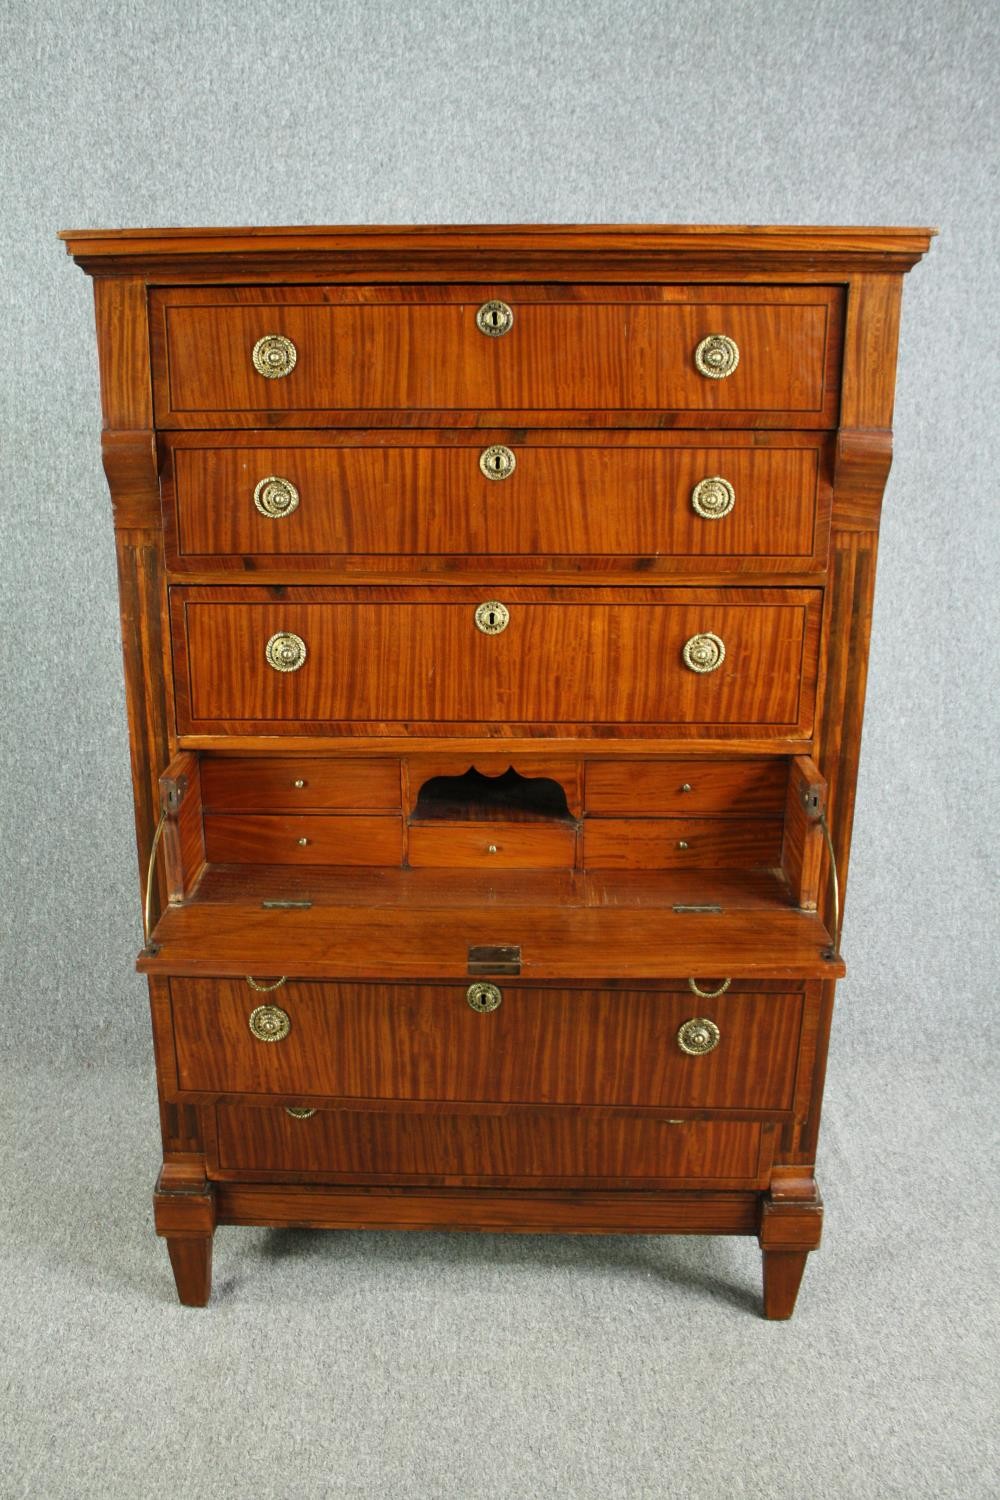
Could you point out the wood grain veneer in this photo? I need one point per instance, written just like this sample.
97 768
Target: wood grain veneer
296 846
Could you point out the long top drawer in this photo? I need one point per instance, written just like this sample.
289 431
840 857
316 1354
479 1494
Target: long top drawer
749 356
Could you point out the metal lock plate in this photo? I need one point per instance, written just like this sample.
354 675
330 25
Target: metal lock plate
492 617
494 318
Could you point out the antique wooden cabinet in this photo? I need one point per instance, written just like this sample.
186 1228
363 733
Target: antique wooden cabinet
495 606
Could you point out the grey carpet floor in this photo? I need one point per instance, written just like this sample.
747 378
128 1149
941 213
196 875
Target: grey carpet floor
502 1366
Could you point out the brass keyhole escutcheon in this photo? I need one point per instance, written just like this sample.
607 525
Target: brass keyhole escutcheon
275 497
285 652
298 1113
698 1036
497 461
274 356
494 318
492 617
483 997
717 356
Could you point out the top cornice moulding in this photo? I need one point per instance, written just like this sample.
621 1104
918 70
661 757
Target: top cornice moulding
499 250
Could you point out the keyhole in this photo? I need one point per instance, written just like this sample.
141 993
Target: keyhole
493 618
498 463
494 316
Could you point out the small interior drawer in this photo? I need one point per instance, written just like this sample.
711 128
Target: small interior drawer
303 839
260 783
487 846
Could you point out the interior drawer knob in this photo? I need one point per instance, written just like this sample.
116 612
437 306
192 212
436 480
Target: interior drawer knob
717 356
492 617
698 1036
299 1114
497 461
274 356
269 1023
483 997
708 994
705 652
494 318
713 498
285 652
275 497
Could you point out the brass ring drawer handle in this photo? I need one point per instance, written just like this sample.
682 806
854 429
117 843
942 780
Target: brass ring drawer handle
708 994
717 356
495 318
713 498
269 1023
497 461
492 617
275 497
299 1114
484 997
698 1036
705 652
265 989
285 651
274 356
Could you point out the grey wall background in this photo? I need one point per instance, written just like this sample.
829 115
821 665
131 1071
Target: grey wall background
797 111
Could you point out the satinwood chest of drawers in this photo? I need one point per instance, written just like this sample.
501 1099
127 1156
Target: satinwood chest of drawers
495 607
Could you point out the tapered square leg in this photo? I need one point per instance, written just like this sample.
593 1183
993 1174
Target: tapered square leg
191 1259
782 1277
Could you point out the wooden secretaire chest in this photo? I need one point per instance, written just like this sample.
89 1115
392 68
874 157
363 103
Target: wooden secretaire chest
495 607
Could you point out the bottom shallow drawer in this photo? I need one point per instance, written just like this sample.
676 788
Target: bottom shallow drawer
519 1148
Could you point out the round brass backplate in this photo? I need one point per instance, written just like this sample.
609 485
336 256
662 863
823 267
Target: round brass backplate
492 617
269 1023
713 498
494 318
698 1036
285 652
274 356
717 356
483 997
497 462
705 652
275 497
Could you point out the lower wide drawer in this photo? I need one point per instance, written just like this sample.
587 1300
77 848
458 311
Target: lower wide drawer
519 1148
539 1046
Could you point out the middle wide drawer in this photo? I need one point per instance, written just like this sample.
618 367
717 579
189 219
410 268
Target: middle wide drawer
286 660
629 1047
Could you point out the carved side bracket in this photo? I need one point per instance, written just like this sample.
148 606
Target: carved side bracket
130 465
861 468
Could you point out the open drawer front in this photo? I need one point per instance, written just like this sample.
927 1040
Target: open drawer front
607 896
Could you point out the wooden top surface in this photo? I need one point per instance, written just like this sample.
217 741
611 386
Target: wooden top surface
520 246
